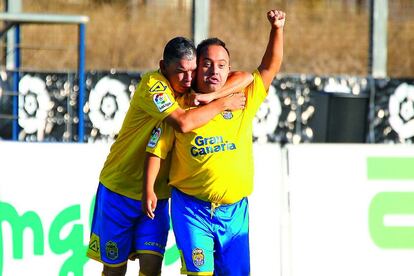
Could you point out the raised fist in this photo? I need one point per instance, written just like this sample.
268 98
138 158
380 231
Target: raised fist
276 18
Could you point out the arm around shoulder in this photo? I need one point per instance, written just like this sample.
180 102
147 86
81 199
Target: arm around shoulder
236 82
187 120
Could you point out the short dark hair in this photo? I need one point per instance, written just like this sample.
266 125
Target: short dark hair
203 45
178 48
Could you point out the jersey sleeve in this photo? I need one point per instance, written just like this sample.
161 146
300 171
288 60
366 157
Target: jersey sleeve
255 94
155 96
161 140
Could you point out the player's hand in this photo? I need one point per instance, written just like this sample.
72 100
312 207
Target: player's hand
203 98
276 18
235 101
191 99
149 203
195 99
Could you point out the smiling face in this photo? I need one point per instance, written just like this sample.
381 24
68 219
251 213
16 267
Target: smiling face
213 68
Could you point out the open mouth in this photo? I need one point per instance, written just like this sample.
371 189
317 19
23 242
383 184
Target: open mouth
213 80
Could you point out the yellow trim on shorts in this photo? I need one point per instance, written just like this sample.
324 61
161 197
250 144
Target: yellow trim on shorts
149 252
197 273
106 264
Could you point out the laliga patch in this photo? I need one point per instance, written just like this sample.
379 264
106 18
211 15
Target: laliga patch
159 86
155 137
198 257
162 101
227 115
111 249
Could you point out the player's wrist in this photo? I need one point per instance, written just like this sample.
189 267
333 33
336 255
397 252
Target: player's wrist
148 191
226 104
277 28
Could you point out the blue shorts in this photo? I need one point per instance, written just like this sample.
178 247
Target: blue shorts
121 230
211 240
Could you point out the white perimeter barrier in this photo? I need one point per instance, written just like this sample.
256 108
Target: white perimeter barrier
46 194
351 210
317 209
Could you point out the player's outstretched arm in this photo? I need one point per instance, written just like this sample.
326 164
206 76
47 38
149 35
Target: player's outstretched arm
149 198
272 58
188 120
227 99
236 82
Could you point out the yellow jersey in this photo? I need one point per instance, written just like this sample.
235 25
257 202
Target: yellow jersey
215 162
123 170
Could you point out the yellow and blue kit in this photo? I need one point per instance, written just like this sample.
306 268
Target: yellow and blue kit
123 170
121 181
211 175
120 230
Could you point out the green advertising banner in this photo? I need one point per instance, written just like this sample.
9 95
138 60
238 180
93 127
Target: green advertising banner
46 202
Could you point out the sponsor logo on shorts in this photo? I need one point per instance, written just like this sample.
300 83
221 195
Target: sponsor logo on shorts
154 244
198 257
155 137
159 86
162 101
111 249
94 250
94 246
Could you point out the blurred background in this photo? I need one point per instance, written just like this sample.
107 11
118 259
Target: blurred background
344 63
327 37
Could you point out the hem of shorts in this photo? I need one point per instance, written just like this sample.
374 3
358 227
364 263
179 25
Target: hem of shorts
106 264
148 252
202 273
134 196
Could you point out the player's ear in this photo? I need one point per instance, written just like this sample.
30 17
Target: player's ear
162 65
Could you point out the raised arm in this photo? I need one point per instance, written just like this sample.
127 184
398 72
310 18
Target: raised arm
272 58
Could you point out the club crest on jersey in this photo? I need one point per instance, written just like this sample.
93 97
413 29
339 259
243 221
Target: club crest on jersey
162 101
227 115
198 257
155 137
111 249
159 86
